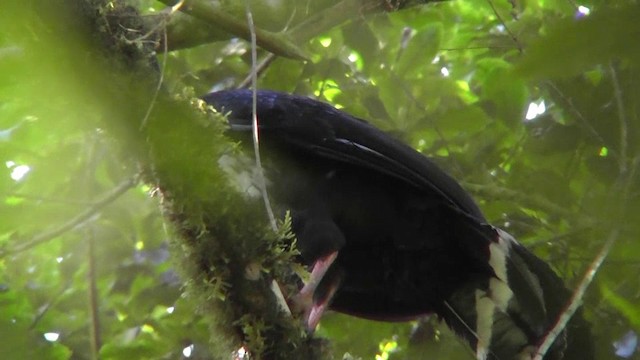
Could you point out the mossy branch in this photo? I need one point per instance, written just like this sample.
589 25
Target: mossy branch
221 236
210 12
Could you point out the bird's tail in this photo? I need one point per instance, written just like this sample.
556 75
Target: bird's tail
507 315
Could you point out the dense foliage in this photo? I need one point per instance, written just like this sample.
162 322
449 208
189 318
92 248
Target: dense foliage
532 105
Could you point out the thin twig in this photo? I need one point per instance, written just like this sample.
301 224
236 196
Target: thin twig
582 119
92 292
275 288
492 47
573 233
94 318
533 201
160 81
257 71
465 325
444 141
626 179
88 213
576 298
164 19
578 294
177 6
617 92
52 301
501 20
254 122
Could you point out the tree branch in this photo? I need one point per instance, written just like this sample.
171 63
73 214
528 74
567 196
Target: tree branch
187 31
622 119
95 340
626 179
212 13
576 298
220 232
77 220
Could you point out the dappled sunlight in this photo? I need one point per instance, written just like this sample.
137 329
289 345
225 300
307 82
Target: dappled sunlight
535 109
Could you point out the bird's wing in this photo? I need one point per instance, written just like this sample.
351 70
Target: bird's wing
312 126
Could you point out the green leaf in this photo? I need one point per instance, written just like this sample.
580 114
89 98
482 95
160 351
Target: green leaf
465 120
504 92
420 50
630 310
576 45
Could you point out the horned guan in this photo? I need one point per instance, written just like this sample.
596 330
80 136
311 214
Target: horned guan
390 236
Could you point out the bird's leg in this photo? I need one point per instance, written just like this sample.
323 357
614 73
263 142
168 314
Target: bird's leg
318 308
304 300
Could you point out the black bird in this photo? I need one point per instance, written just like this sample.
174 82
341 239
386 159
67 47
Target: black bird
390 236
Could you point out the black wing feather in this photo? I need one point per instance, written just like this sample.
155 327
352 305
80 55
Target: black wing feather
321 129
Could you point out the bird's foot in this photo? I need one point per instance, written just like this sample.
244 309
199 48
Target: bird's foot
304 302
